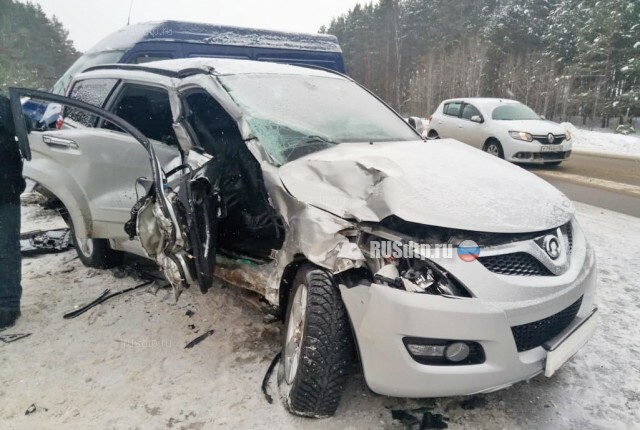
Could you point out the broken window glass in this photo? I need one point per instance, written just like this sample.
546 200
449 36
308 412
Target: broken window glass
148 109
293 115
92 91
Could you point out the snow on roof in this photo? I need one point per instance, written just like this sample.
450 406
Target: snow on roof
192 32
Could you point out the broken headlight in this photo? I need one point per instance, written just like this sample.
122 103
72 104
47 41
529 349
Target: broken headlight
406 267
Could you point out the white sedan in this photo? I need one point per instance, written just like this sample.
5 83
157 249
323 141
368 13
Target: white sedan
505 128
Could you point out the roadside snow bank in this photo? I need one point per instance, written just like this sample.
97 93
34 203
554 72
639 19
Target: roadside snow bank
603 142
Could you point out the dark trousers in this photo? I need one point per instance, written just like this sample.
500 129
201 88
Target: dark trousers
10 260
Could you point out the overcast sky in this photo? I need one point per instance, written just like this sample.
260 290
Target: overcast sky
88 21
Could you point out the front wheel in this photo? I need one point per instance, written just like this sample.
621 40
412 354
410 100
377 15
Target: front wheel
317 346
95 252
493 147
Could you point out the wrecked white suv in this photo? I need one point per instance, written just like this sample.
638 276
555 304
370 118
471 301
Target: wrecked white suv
447 270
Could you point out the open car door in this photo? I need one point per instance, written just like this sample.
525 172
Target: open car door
176 221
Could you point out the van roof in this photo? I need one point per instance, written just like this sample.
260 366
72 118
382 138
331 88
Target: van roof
214 34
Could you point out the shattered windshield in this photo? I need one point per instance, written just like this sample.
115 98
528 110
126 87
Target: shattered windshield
295 115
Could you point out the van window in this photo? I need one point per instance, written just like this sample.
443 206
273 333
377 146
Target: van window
147 58
452 109
148 109
92 91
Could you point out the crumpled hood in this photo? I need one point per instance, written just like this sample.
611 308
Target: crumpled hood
442 183
535 127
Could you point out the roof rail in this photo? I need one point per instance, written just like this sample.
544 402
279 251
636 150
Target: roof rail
163 72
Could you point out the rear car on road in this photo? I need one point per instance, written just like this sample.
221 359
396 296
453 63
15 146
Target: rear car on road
289 181
504 128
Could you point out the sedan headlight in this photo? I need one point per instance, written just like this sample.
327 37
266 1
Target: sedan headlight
567 135
521 135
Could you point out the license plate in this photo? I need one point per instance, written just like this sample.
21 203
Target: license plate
569 344
551 148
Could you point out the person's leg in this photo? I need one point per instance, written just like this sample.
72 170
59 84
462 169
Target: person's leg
10 264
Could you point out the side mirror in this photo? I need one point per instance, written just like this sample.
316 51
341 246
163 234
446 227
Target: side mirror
477 118
543 117
40 126
416 123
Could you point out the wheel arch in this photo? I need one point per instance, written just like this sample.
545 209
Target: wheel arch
61 186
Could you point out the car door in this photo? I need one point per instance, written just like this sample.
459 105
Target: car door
100 162
471 126
158 217
447 123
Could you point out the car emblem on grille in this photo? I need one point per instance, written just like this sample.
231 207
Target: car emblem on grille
551 246
551 138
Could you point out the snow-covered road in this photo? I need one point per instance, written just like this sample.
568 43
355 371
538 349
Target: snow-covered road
123 364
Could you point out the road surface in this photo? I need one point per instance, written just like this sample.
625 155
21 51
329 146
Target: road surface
609 183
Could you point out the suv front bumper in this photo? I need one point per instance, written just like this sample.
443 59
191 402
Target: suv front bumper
383 316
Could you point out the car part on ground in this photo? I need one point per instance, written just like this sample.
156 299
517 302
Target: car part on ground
42 242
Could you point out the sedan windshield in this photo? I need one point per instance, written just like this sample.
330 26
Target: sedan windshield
295 115
513 112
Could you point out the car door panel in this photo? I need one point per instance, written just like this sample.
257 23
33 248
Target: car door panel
104 166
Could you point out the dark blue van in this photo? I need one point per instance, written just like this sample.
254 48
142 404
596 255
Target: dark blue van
154 41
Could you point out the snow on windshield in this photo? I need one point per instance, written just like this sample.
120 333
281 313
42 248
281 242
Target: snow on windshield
294 115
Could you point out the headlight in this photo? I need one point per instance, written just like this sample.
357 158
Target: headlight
567 135
521 135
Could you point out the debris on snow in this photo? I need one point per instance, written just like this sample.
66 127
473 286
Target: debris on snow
199 339
41 242
8 338
267 376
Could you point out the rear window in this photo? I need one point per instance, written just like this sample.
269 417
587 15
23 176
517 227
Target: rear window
92 91
82 64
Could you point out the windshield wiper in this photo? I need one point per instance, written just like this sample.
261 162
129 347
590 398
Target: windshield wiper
315 138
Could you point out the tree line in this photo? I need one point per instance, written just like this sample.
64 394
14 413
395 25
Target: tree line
564 58
34 50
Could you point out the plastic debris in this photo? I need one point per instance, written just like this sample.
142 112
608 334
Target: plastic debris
8 338
267 376
45 242
199 339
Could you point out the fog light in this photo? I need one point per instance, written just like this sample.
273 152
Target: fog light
444 352
457 351
426 350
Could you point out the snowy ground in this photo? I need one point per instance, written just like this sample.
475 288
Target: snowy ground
123 364
606 142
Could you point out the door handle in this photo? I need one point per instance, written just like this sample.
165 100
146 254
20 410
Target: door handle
58 141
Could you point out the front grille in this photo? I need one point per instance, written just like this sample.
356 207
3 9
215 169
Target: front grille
559 138
532 335
517 264
568 230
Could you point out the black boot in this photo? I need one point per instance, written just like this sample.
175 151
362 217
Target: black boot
8 318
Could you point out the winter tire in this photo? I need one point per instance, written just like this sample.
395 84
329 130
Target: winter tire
317 346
